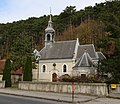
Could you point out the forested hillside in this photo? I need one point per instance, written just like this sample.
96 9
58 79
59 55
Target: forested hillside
99 25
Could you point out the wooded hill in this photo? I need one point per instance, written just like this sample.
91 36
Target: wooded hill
99 25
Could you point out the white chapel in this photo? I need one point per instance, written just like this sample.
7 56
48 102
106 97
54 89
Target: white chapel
58 58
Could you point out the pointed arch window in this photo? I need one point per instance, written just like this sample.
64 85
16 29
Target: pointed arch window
64 68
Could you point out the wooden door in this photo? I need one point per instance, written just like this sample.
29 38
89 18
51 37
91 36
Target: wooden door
83 75
54 77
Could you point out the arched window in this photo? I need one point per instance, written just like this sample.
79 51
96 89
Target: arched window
64 68
44 68
48 37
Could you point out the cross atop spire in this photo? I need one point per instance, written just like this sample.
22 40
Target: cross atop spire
50 20
50 14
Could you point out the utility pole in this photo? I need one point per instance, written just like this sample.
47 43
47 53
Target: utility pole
38 68
72 92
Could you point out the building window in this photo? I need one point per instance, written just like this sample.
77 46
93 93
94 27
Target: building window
64 68
44 68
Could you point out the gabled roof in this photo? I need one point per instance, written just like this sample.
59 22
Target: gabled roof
58 50
89 48
84 61
13 72
17 72
101 56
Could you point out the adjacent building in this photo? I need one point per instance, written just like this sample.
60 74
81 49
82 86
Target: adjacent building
16 75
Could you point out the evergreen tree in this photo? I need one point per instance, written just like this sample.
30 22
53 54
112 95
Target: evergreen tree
21 47
27 74
111 65
7 73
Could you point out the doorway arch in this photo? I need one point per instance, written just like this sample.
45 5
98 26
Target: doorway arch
54 77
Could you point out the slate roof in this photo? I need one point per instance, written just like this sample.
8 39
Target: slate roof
89 49
84 61
101 56
58 50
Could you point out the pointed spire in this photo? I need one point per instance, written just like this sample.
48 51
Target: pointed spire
50 20
50 15
49 32
49 27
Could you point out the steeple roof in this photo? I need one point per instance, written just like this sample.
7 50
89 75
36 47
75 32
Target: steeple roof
49 27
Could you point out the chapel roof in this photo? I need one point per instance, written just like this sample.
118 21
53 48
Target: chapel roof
84 61
89 48
58 50
101 56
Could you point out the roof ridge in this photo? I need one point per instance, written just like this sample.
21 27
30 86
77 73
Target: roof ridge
99 52
86 45
65 41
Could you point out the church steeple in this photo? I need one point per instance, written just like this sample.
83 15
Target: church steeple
49 32
49 23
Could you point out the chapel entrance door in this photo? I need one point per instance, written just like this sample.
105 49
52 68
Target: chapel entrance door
83 75
54 77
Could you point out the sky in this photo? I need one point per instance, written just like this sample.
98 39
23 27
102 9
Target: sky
15 10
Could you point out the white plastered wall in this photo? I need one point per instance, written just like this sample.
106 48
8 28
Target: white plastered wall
47 75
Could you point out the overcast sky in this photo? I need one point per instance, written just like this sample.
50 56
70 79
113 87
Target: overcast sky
14 10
